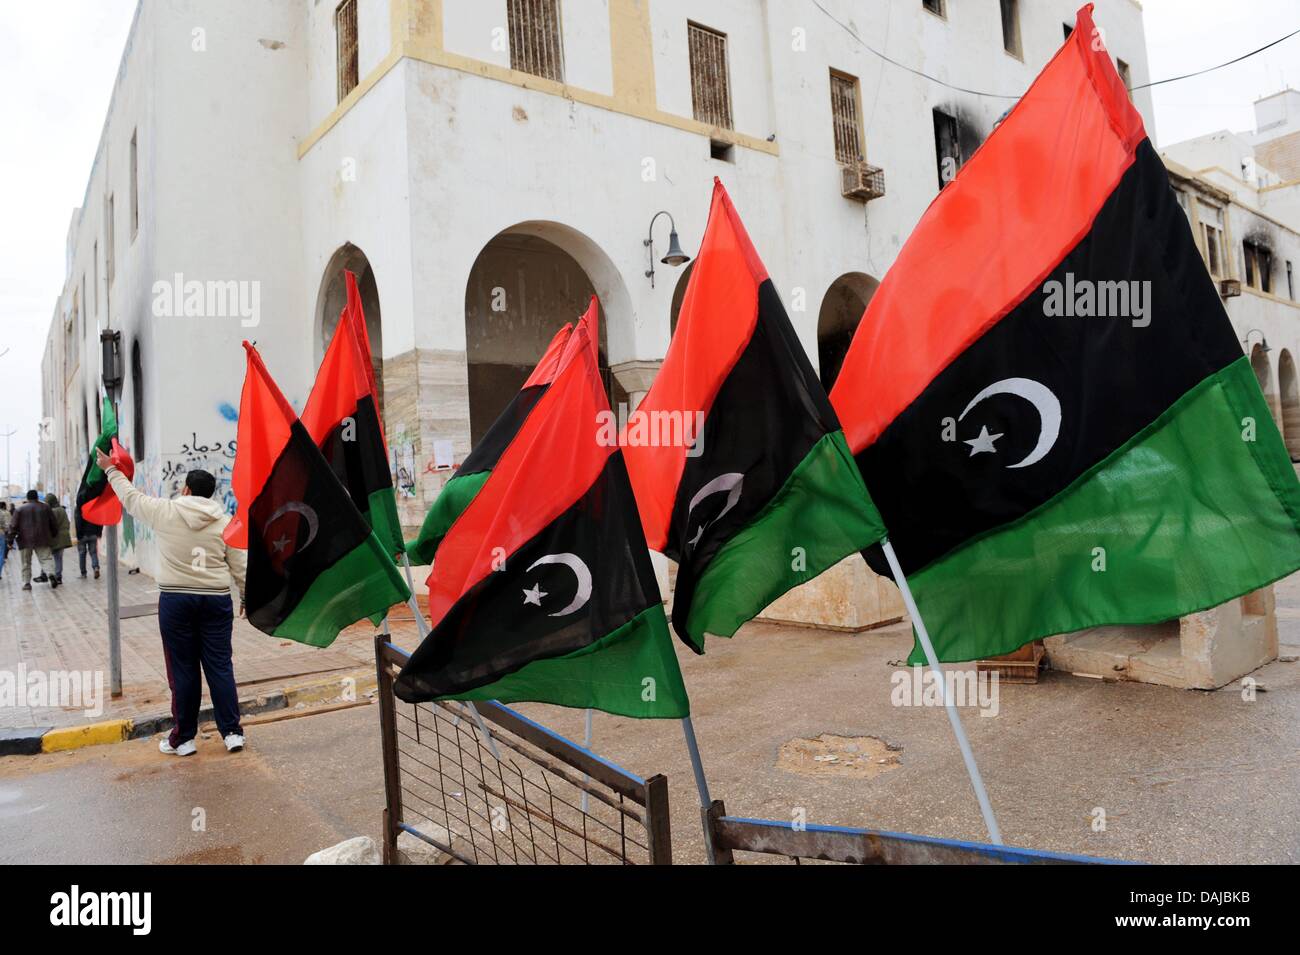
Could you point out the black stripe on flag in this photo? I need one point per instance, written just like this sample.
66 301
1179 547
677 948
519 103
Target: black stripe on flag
942 473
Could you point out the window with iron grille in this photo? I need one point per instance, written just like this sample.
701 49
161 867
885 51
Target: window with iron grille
844 115
1011 27
535 45
345 33
947 146
937 7
710 86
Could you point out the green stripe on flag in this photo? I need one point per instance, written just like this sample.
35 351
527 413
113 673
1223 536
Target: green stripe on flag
1187 515
822 514
632 671
381 513
451 502
363 583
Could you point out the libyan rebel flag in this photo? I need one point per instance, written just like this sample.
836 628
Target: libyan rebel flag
764 495
543 589
1046 398
474 470
95 498
342 417
314 565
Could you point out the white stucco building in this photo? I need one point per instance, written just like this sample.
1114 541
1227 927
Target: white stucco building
484 165
1242 194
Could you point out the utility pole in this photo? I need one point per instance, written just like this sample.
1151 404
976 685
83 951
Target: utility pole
111 363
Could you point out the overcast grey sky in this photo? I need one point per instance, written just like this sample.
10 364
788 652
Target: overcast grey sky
59 58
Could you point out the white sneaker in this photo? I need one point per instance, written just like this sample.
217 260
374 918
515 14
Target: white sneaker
187 748
234 742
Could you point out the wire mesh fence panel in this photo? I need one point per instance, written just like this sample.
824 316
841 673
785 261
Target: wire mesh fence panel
487 786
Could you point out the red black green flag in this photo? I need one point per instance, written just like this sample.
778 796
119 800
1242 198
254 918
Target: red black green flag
1046 397
342 417
314 565
95 498
474 470
543 588
766 495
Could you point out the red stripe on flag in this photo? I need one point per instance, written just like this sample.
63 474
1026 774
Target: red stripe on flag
714 326
551 463
265 417
1026 197
341 382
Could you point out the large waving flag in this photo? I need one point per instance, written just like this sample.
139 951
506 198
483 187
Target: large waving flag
314 565
543 589
767 497
342 417
1046 398
474 470
95 498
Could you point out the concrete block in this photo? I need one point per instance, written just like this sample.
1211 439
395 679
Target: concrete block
848 596
1202 651
360 850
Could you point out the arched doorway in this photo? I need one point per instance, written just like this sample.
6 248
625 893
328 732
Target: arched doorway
1289 388
838 319
525 284
1264 375
333 296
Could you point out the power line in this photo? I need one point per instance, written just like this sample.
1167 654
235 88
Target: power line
962 89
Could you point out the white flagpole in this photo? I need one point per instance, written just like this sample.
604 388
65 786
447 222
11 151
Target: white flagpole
422 629
995 834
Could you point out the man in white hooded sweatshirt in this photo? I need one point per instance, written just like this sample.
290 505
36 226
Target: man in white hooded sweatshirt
195 614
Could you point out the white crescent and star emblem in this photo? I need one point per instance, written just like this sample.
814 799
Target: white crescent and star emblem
732 483
580 571
1044 402
279 543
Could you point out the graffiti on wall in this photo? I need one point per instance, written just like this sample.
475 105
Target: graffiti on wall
402 450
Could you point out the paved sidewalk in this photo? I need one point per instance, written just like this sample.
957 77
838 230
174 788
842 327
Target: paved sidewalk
66 630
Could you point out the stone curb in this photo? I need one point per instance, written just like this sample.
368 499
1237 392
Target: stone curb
33 741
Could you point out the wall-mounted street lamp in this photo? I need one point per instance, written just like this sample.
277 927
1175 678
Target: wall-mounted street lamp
1263 342
675 254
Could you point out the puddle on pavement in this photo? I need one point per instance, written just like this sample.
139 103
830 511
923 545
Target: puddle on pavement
850 757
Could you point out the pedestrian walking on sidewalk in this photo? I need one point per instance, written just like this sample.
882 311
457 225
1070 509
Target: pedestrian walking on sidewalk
195 614
6 519
62 535
34 528
87 543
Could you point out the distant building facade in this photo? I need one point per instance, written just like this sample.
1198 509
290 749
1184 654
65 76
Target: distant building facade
484 166
1241 192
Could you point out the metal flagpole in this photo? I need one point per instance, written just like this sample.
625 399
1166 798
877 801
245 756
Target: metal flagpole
586 744
995 834
697 766
422 629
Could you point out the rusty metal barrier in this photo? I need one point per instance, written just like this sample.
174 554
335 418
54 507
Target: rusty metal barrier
727 835
491 786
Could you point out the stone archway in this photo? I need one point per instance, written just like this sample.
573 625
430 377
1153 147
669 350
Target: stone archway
1289 393
333 296
524 285
1259 363
841 311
